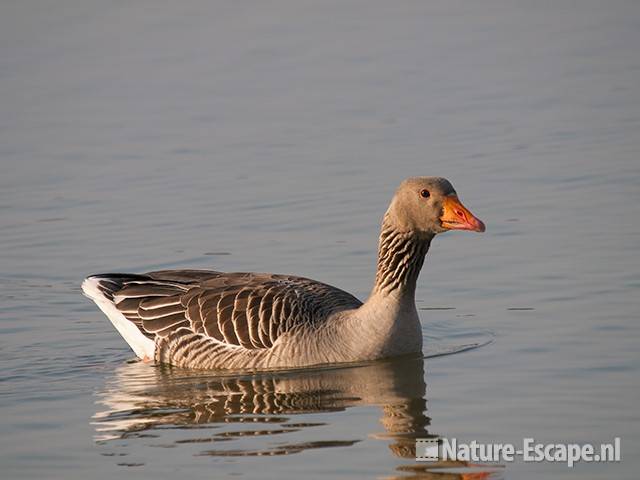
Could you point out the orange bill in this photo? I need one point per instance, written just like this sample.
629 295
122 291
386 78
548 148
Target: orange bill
455 216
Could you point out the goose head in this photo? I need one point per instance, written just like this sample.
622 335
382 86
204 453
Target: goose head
428 206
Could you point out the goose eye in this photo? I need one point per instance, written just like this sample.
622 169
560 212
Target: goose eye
425 193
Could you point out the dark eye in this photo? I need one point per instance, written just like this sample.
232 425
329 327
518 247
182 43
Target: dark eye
425 193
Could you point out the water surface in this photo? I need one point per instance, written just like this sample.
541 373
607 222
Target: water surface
247 137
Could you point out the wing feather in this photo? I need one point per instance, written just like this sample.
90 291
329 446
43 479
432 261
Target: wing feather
225 323
155 313
193 314
246 310
154 325
160 302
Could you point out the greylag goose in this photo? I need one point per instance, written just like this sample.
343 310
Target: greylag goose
215 320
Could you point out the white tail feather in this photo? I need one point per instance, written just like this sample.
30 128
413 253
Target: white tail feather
142 346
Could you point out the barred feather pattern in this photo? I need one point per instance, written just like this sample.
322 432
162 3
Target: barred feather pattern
215 320
400 259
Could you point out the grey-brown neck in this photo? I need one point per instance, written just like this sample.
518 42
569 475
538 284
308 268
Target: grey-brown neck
400 258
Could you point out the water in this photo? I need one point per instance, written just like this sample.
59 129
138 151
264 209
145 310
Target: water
241 136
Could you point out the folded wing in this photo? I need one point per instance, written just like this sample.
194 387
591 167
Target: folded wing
251 310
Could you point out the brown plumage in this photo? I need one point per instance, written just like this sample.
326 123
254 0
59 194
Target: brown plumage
248 310
216 320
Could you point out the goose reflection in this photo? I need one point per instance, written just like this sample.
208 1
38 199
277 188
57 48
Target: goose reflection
213 413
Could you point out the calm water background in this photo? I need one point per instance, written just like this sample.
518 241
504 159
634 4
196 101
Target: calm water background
270 137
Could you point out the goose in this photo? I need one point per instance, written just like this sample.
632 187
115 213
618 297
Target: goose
253 321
